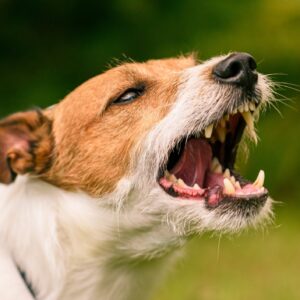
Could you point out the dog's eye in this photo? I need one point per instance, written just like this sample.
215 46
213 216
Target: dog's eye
129 95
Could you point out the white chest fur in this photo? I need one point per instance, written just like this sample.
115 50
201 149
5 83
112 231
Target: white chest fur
71 247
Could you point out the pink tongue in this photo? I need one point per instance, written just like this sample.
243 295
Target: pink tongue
194 162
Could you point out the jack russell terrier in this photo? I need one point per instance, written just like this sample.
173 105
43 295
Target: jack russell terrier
100 192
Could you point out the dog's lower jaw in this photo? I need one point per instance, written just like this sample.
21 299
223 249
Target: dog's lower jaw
82 250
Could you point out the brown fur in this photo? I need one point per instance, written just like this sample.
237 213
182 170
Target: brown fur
25 145
93 138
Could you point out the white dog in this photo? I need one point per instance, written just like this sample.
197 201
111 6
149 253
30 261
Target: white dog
107 186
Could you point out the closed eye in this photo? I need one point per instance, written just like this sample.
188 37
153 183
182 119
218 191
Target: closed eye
129 95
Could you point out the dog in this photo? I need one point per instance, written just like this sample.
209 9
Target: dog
101 191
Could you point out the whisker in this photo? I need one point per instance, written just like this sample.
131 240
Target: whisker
285 104
276 74
261 61
282 96
276 108
285 85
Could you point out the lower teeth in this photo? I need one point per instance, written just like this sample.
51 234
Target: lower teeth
230 183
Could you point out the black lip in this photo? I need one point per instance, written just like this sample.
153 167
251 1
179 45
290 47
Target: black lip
248 206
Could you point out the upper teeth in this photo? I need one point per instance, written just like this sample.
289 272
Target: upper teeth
209 130
252 106
246 107
220 129
250 123
248 119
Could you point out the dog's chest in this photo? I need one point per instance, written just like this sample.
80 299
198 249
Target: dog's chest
28 229
72 249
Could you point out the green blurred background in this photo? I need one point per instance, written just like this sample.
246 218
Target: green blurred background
49 47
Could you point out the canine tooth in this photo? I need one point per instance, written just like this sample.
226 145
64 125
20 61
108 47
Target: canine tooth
246 107
228 187
167 174
250 124
259 182
227 117
234 111
226 173
248 119
252 106
221 132
253 135
238 185
209 130
181 183
173 178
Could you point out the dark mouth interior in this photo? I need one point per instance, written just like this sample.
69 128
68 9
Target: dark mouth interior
201 166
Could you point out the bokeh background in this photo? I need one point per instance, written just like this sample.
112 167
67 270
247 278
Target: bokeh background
49 47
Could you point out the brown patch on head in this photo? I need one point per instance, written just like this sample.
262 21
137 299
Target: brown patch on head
94 137
25 145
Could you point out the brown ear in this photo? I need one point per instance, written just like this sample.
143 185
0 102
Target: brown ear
26 145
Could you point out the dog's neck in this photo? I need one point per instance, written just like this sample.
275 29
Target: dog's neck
90 250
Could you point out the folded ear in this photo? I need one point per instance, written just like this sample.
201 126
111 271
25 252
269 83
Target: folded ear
26 145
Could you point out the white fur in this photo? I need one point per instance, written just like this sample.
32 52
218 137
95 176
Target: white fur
12 286
73 247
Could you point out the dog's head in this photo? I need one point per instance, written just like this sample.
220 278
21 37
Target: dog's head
159 138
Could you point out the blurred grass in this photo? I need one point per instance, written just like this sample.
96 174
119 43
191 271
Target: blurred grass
49 47
255 265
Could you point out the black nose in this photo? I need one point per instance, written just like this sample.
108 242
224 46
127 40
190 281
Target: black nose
237 68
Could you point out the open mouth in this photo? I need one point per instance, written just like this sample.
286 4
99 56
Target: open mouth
201 167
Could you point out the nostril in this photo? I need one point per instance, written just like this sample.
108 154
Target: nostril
238 68
252 63
233 69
